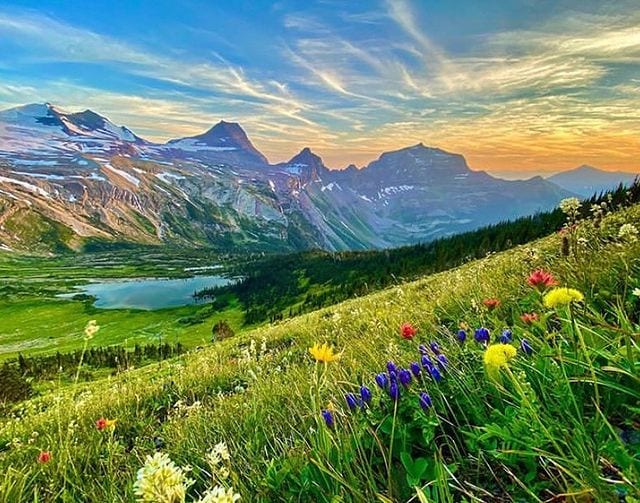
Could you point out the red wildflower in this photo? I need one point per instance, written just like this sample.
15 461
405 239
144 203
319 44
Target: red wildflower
529 318
44 457
491 304
408 331
541 279
103 423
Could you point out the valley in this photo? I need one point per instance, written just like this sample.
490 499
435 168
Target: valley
38 321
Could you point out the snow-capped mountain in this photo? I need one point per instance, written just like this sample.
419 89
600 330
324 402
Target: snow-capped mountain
67 179
45 130
587 180
225 141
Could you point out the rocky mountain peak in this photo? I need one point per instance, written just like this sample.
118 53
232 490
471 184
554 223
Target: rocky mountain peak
222 137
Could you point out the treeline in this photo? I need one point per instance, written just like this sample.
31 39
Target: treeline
280 286
115 357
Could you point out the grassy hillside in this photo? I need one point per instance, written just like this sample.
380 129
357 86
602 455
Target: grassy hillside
276 287
559 424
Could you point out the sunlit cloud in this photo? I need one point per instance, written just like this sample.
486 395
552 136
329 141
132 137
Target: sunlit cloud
537 92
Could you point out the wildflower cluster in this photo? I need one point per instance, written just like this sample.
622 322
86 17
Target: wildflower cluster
396 382
160 480
628 233
218 459
570 207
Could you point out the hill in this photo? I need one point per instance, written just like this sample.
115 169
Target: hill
548 411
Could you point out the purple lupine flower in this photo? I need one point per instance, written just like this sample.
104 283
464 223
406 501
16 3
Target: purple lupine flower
328 418
506 337
415 368
351 400
425 401
434 347
391 367
482 335
435 374
365 394
462 335
423 349
381 380
426 362
442 362
404 376
393 376
526 347
394 390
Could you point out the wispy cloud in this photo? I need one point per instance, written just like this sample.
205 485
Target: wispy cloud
356 79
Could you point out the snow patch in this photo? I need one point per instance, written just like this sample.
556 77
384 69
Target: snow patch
28 186
127 176
330 187
191 145
40 175
166 177
394 189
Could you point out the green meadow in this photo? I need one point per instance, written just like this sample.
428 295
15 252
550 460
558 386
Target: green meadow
35 321
542 407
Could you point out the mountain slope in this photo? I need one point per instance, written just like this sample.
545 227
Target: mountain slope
101 181
587 180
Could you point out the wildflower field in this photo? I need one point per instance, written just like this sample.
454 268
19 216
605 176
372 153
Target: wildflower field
512 378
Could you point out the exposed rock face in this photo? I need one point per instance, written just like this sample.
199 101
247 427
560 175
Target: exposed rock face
67 177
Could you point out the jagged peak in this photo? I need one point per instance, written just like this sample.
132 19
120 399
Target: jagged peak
308 156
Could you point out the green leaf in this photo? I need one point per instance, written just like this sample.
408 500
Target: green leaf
415 468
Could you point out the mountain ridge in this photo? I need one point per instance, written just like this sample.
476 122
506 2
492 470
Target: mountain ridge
587 180
101 181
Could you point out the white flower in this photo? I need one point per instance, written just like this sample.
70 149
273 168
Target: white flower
91 329
219 453
219 495
636 292
628 232
160 480
570 205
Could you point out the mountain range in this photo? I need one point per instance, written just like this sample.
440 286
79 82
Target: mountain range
68 179
587 180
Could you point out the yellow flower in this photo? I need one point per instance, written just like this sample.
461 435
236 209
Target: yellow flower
497 356
562 297
323 353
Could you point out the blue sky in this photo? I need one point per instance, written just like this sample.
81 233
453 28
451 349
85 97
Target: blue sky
520 85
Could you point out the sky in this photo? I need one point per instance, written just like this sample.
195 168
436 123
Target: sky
517 86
